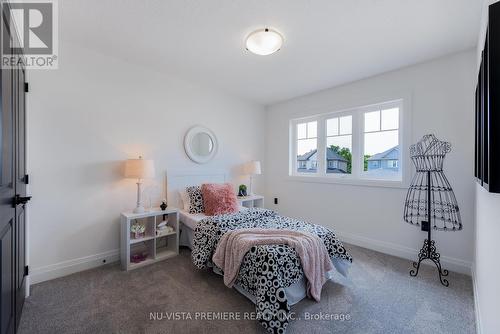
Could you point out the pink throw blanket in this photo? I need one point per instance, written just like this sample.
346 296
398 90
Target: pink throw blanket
313 254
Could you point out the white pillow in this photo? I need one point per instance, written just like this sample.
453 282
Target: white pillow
184 198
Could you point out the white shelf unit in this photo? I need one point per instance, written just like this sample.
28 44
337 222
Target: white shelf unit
157 245
252 201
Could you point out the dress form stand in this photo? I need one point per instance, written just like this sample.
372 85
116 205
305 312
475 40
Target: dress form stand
430 201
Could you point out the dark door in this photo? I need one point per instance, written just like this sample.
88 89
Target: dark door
12 194
7 211
20 187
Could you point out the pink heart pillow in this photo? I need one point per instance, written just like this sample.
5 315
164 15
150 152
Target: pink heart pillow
219 199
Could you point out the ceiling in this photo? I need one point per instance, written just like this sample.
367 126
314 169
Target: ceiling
327 42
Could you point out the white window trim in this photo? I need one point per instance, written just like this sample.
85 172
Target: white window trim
356 177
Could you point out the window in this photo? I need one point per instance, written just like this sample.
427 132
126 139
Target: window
362 143
307 147
339 145
381 143
392 164
332 164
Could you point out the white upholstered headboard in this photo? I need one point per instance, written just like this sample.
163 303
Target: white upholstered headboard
178 180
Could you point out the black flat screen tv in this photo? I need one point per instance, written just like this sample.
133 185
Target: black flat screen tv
487 124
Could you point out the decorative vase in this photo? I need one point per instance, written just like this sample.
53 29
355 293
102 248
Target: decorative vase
242 191
163 205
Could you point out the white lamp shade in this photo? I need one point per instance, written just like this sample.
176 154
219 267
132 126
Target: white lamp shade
252 168
139 169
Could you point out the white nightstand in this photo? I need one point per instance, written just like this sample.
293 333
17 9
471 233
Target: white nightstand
253 201
155 243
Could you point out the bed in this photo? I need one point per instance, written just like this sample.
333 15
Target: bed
270 275
188 222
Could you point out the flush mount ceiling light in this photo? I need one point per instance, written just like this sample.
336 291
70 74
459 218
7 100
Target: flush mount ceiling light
264 42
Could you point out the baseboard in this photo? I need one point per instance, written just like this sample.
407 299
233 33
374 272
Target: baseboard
64 268
449 263
476 300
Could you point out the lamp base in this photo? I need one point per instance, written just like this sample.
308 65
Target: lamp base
250 191
139 209
429 251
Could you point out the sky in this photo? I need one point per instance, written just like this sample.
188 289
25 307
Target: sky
380 132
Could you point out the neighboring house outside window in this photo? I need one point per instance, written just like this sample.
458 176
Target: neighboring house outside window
307 147
308 163
305 162
335 162
385 160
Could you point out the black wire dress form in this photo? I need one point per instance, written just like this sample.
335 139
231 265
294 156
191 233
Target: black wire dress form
430 201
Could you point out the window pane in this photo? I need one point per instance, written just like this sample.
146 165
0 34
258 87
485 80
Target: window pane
340 141
312 129
390 119
346 125
381 155
306 145
372 121
338 155
307 158
332 127
301 130
378 142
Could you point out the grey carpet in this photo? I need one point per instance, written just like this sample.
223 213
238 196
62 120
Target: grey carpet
379 297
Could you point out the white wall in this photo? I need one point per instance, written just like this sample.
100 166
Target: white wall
441 103
486 269
90 115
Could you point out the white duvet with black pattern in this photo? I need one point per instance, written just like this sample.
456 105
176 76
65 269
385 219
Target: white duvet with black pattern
266 270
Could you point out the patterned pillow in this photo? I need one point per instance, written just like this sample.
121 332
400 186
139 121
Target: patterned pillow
195 199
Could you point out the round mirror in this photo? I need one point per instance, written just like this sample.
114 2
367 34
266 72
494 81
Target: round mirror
200 144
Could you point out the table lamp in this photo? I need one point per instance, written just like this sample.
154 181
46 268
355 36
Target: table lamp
139 169
252 168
